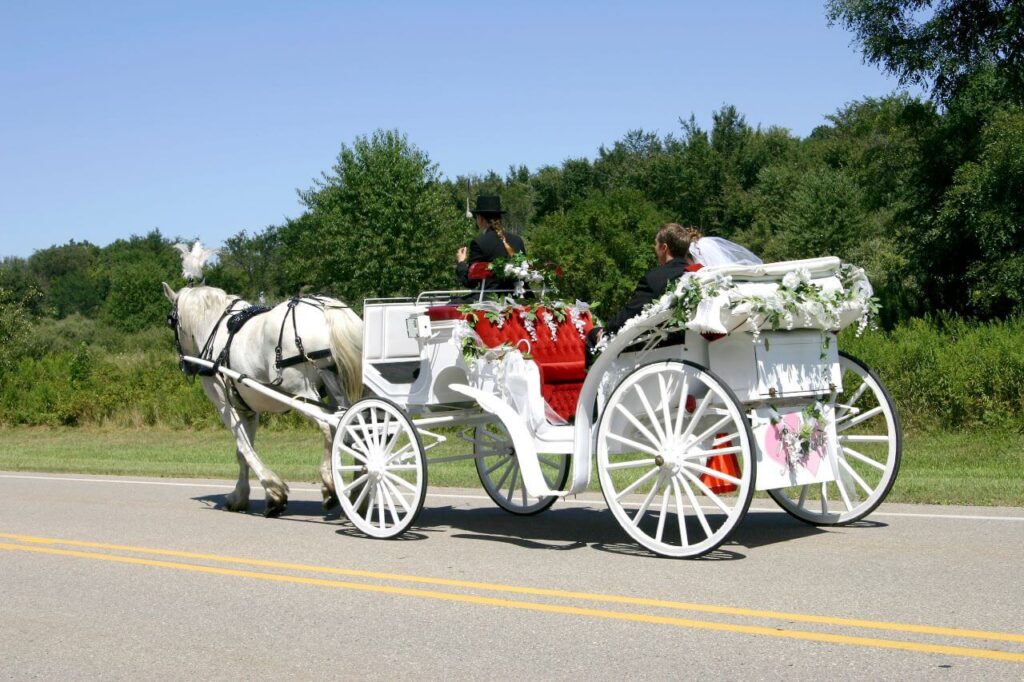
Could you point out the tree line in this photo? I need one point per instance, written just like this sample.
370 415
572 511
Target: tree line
926 193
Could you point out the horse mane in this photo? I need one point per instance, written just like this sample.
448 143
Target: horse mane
196 305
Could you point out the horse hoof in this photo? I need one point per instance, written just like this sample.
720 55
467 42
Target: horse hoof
330 502
274 510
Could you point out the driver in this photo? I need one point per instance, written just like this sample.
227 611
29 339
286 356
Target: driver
492 242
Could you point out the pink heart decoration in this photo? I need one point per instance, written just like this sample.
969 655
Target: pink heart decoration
775 445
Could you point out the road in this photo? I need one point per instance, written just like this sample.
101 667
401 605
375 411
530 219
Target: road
111 578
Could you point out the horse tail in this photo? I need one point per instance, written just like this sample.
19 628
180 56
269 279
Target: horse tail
346 332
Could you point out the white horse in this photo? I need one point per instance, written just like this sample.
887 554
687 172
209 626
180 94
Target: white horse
200 317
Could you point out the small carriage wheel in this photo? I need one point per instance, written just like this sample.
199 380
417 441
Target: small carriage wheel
675 458
379 467
498 468
870 449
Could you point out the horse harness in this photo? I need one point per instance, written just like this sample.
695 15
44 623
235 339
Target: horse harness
236 319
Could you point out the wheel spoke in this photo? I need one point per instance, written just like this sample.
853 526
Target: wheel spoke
388 500
512 485
397 494
706 490
824 498
666 415
356 440
864 458
863 439
862 417
803 496
638 389
712 472
680 514
633 444
856 477
698 454
684 392
401 481
696 507
639 427
714 427
698 414
843 492
504 476
854 398
662 514
366 440
504 459
350 467
354 483
630 464
380 505
406 449
635 484
375 433
646 503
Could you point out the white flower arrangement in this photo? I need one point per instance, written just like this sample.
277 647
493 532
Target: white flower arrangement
549 322
797 300
798 445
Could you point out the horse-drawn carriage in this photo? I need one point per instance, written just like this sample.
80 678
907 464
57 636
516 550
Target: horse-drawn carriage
730 384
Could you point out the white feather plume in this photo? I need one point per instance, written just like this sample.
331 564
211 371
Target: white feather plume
194 260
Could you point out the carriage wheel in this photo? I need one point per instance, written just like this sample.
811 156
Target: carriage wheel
498 468
379 468
661 440
870 448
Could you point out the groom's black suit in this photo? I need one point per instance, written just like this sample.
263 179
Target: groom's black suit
650 287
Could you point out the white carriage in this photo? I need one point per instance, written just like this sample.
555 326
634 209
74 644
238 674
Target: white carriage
721 389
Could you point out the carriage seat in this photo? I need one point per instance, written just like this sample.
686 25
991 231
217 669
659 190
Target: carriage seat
561 361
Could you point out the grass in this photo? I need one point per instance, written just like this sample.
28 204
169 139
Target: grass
976 467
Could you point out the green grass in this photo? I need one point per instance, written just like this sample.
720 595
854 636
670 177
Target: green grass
979 467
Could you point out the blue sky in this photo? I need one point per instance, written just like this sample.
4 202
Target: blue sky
201 119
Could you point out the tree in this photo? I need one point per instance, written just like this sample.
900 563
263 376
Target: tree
940 44
603 245
382 223
982 220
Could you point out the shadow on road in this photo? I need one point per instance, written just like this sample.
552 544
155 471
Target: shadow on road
560 529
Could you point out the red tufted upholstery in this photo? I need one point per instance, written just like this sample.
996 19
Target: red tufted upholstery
562 362
439 313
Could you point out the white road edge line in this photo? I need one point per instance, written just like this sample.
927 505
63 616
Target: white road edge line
584 502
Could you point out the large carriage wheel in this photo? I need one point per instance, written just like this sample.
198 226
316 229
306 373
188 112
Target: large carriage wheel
379 468
870 447
675 458
498 468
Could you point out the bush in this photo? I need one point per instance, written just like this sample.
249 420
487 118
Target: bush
949 373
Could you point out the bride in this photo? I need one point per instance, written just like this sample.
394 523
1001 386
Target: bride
712 251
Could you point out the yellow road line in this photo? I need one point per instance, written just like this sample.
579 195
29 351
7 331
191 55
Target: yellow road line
544 592
545 608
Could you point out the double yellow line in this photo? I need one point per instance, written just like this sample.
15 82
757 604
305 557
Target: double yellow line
57 547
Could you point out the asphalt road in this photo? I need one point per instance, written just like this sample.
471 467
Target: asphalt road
104 578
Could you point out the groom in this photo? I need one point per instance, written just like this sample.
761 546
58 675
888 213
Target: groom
672 249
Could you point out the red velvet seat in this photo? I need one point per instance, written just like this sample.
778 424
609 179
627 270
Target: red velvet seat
562 362
440 313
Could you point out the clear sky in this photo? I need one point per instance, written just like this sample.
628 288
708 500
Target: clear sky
202 118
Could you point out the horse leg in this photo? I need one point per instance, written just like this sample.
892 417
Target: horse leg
244 430
238 499
330 496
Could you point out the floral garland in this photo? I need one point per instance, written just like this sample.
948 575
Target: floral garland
810 436
551 314
797 298
524 272
683 301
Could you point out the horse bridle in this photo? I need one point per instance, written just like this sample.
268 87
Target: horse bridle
188 369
